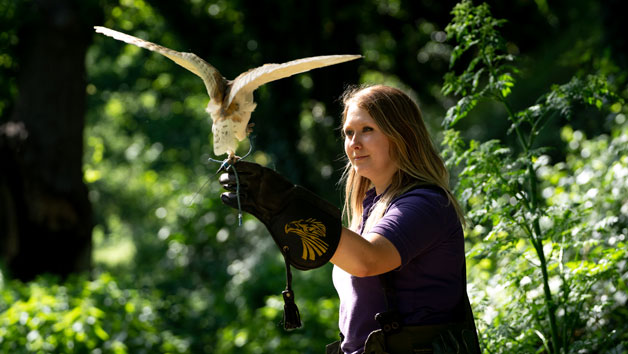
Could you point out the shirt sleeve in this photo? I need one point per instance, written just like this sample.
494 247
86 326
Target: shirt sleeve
414 223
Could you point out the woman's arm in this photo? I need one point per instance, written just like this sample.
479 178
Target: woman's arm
365 256
263 193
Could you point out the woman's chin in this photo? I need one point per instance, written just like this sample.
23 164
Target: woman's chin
362 171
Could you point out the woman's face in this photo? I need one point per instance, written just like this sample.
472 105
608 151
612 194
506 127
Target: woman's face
367 148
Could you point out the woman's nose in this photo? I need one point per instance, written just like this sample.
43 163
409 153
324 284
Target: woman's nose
354 142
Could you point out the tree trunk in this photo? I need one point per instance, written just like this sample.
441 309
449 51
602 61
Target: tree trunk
45 214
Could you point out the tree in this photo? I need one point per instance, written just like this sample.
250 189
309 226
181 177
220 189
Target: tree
46 217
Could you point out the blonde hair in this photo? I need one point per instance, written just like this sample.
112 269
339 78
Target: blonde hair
411 147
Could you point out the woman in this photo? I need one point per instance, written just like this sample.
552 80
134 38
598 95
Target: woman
402 221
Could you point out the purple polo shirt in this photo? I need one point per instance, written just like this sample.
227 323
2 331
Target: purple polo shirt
424 228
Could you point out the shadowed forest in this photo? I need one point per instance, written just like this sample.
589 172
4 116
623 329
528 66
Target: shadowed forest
113 238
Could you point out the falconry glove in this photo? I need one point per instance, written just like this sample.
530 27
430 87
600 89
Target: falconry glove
305 227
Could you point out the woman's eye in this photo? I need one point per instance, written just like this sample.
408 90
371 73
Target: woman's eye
367 129
348 132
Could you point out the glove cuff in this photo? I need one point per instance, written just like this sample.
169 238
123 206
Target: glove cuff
307 229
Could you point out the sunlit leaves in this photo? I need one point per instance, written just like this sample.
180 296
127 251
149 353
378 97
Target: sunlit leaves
81 316
479 46
460 110
504 83
592 90
548 226
258 331
474 26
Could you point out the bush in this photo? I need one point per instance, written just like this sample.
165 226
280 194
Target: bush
548 238
82 316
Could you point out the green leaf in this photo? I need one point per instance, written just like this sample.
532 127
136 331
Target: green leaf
460 110
100 332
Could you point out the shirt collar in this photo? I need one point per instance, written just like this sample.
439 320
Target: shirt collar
370 199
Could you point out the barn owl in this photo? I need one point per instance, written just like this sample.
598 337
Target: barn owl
231 101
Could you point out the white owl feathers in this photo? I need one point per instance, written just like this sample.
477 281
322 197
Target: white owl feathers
231 101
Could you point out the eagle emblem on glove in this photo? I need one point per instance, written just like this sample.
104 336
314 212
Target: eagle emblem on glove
310 231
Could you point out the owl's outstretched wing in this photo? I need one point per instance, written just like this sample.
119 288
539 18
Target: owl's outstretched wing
254 78
214 82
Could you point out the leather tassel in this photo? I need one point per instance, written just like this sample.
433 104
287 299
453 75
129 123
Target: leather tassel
291 316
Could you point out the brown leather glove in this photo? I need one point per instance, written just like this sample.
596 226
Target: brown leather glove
305 227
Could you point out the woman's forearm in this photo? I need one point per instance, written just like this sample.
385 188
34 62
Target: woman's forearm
365 256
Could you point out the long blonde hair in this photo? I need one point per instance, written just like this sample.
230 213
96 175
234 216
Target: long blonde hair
411 147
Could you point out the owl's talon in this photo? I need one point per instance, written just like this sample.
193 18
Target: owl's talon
232 159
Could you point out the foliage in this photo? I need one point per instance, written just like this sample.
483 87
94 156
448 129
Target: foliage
173 271
80 316
556 247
